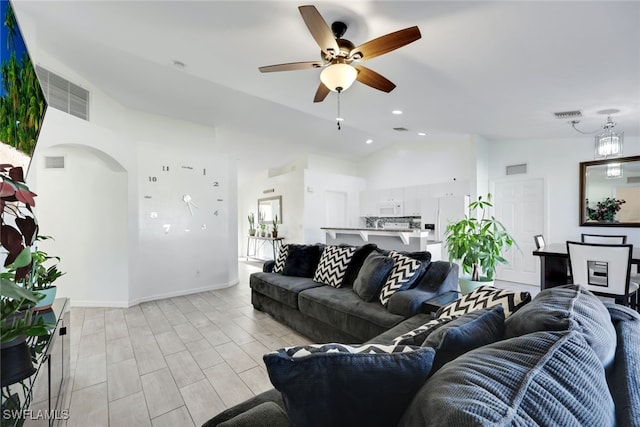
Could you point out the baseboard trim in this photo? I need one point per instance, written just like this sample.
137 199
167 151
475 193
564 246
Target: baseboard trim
131 303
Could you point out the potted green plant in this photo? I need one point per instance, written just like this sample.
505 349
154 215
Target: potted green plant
274 231
252 224
477 242
43 273
263 225
19 230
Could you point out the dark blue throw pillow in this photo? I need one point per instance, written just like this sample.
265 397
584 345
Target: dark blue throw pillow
302 260
340 385
466 333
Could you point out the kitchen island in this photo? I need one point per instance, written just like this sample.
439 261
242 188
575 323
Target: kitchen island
399 239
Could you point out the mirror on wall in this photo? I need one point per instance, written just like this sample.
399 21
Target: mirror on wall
610 192
268 207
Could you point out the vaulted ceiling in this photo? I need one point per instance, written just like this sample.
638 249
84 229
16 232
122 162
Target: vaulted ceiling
495 69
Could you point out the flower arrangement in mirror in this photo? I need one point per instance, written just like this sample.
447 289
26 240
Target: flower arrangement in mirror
605 210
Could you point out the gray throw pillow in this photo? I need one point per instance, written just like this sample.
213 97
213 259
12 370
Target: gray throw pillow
465 333
540 379
372 276
567 308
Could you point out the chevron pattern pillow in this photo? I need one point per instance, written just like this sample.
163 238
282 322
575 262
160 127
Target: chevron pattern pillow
348 385
281 259
419 334
404 271
486 297
333 265
311 349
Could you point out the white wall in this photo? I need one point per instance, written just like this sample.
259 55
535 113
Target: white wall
316 186
105 268
557 161
426 162
302 210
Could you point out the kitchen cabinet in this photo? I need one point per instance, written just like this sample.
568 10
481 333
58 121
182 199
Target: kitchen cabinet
413 197
369 203
449 189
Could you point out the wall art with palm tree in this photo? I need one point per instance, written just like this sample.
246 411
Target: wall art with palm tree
22 102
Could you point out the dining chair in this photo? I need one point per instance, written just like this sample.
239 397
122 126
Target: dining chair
539 241
604 238
604 269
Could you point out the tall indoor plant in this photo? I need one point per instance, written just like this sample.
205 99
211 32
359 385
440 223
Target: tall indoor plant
18 232
477 242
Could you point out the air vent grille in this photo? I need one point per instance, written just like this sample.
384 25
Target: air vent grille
564 115
54 162
400 129
516 169
63 95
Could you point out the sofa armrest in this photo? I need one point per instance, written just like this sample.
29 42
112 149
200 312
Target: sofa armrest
623 375
269 396
440 277
267 267
409 303
266 414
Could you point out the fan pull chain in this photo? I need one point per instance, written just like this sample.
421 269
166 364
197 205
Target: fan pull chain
339 118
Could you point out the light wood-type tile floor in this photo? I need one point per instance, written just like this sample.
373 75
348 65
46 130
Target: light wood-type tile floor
173 362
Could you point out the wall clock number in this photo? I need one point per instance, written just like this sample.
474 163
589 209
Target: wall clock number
153 179
215 213
204 171
216 184
165 169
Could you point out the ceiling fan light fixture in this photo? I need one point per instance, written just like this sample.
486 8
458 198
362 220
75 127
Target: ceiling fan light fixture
338 77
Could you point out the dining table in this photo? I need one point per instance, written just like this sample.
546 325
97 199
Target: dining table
554 264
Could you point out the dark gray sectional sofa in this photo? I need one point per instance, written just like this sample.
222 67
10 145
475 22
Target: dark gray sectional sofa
327 314
563 358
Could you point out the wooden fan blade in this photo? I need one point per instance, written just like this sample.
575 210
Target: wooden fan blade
319 29
386 43
373 79
321 93
292 66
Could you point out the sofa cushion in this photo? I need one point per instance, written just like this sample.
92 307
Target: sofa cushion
372 276
302 260
544 378
465 333
362 252
281 259
485 297
284 289
369 385
405 272
333 265
568 308
345 311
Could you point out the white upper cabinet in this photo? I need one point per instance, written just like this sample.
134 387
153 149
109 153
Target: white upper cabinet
449 189
413 198
369 203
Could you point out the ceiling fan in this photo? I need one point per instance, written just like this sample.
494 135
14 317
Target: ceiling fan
338 54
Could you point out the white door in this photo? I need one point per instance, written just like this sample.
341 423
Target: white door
519 205
335 208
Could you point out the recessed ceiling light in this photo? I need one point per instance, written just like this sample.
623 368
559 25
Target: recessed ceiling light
421 133
369 141
396 112
340 119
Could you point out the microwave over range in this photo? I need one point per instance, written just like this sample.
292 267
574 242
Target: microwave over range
390 208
